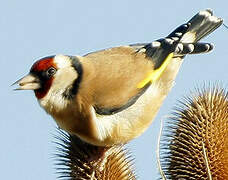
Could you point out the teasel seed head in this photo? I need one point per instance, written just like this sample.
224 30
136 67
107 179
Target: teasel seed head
194 144
77 160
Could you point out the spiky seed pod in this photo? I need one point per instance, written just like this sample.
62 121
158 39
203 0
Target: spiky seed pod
78 160
119 165
195 143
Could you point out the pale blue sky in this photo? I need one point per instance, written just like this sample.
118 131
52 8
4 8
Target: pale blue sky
33 29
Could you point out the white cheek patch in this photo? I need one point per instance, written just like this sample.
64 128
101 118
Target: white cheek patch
62 61
64 78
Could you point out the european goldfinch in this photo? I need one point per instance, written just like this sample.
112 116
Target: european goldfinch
111 96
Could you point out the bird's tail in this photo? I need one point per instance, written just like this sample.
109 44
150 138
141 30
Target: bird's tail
203 24
184 39
200 26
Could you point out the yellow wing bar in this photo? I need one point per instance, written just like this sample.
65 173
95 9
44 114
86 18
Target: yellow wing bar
155 74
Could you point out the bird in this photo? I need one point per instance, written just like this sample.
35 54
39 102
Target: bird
111 96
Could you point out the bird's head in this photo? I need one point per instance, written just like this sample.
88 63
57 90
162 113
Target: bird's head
53 75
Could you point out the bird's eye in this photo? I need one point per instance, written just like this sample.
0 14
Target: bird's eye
51 71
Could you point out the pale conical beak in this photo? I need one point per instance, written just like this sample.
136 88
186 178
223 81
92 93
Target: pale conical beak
29 82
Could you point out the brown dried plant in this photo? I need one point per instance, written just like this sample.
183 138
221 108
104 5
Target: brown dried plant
195 140
78 160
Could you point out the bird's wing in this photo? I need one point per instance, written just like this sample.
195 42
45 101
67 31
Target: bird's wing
124 73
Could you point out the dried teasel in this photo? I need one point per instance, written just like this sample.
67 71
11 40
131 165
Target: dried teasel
194 144
78 160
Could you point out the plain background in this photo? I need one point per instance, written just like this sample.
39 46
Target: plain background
30 30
